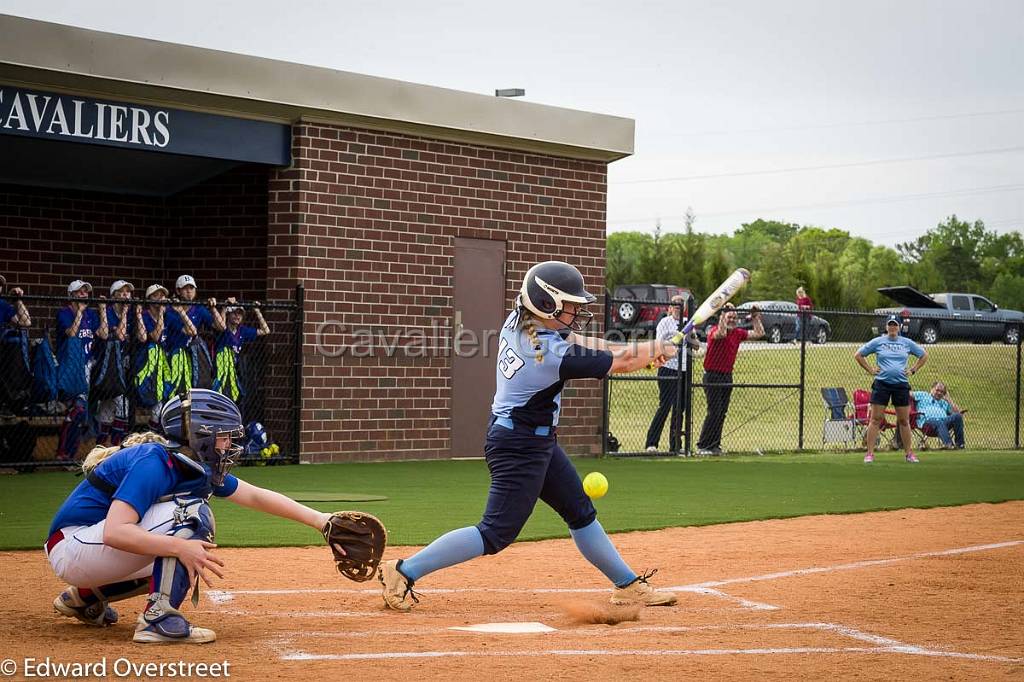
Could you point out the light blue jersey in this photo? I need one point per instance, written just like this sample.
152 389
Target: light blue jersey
891 356
531 393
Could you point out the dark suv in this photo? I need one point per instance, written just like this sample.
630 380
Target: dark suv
637 308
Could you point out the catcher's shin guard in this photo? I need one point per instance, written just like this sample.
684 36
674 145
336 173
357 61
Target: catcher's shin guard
161 621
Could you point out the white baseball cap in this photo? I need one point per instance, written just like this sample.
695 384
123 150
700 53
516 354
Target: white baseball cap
153 288
234 309
184 281
79 284
121 284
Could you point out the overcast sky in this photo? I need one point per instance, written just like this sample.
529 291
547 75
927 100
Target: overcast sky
899 112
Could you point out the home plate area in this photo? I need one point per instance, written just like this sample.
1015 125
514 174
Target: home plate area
907 594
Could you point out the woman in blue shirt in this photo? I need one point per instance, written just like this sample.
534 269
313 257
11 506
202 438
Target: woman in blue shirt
78 321
184 323
141 523
891 353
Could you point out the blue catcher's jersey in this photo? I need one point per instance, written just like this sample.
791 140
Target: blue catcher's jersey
142 475
531 393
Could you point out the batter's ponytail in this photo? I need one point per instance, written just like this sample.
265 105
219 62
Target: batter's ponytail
530 325
99 453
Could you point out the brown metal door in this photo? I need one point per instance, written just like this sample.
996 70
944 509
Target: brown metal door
479 303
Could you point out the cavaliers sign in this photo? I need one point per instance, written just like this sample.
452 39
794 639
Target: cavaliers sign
71 118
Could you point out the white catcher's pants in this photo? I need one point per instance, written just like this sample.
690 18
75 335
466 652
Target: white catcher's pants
81 559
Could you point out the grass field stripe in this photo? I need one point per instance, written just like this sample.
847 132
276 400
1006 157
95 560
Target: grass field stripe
851 566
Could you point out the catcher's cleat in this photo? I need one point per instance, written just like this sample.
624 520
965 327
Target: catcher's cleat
396 586
171 630
640 592
70 603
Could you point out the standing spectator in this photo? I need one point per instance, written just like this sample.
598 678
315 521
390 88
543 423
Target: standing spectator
77 327
112 413
724 341
891 352
804 306
185 350
12 315
935 409
229 345
668 378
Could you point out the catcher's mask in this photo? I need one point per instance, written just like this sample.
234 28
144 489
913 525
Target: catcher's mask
548 286
197 420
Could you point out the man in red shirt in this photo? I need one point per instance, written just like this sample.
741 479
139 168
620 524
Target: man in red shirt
724 341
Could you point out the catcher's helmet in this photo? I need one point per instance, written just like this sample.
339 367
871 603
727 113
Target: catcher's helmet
196 420
549 285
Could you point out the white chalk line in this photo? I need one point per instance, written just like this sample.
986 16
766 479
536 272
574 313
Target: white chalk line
885 645
853 565
223 596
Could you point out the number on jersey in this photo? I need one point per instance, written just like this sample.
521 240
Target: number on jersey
508 362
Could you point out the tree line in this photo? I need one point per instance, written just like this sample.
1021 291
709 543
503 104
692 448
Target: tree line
838 270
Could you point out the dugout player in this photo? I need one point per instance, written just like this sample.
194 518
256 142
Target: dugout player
112 414
77 320
13 315
141 523
891 351
540 348
229 345
184 322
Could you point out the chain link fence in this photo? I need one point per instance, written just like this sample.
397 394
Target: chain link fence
799 388
62 394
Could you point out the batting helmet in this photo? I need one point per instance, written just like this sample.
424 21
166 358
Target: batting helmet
196 420
548 286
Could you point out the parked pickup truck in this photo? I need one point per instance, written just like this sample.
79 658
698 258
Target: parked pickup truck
951 316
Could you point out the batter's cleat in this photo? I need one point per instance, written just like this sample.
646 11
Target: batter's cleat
396 586
639 592
70 603
172 629
869 458
912 458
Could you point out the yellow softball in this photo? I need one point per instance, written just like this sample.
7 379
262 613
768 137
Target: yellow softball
595 485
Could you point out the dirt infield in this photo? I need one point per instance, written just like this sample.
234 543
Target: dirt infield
913 594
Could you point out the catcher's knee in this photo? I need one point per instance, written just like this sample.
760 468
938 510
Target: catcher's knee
193 520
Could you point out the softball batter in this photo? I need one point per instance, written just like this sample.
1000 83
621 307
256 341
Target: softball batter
141 521
539 350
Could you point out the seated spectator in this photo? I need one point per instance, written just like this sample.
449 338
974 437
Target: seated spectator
936 411
12 315
229 345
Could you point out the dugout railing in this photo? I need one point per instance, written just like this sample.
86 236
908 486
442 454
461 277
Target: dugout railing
777 402
39 396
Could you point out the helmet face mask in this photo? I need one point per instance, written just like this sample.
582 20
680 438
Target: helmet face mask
549 286
199 420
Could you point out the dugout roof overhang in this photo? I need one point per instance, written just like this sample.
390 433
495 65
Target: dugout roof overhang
106 69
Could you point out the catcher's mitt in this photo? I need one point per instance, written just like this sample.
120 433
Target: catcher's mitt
357 541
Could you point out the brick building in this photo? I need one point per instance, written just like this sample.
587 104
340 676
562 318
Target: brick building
408 213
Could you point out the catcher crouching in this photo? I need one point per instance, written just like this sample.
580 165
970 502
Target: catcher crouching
141 523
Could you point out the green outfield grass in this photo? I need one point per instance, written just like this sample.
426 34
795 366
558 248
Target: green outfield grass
981 378
425 499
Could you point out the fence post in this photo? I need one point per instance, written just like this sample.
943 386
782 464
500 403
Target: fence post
606 382
1016 430
299 329
803 377
688 447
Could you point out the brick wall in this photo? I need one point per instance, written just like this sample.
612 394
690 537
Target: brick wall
367 221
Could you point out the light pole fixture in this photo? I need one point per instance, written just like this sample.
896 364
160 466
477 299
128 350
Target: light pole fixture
510 92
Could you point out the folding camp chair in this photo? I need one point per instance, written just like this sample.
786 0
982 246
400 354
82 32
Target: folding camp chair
923 433
841 425
862 412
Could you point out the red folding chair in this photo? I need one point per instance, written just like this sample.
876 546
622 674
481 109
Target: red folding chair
923 433
862 411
